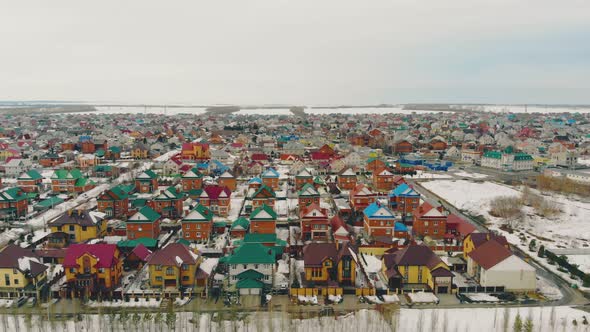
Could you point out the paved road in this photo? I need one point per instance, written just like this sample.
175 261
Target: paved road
570 295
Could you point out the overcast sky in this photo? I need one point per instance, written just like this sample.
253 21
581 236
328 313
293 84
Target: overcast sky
296 52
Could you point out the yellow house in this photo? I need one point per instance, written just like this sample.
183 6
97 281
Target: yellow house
93 268
474 240
173 266
139 152
21 273
330 262
417 265
80 225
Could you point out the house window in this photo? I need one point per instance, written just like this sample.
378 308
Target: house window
266 277
71 228
435 231
245 266
198 234
256 266
187 234
84 228
59 228
101 270
158 278
426 223
158 267
185 278
388 231
16 281
184 267
419 274
7 279
169 271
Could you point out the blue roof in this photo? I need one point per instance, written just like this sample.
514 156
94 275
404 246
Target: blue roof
399 227
270 173
373 208
403 190
255 180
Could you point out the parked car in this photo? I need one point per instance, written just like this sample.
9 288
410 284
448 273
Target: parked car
31 302
19 302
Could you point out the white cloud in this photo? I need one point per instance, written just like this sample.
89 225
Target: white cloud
275 51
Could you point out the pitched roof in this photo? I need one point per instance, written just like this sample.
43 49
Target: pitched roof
79 217
199 214
314 254
146 214
251 253
417 255
361 190
376 210
216 192
30 175
308 190
240 224
262 213
147 175
141 252
193 173
489 254
173 254
270 173
25 260
404 190
105 254
171 193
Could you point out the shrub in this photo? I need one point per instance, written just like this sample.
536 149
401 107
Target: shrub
505 207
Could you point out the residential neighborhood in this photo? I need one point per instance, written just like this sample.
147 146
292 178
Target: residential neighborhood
190 209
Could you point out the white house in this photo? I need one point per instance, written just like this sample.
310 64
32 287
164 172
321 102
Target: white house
493 265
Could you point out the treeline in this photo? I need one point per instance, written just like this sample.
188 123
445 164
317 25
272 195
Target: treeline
562 185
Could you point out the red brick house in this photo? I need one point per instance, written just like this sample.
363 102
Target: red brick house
270 177
302 178
378 220
308 195
383 179
429 221
168 203
264 195
403 146
263 220
314 223
198 224
374 164
361 197
217 199
13 203
114 202
146 182
227 180
192 180
144 223
30 181
347 179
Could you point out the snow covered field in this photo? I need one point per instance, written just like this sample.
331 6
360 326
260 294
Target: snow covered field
471 319
532 109
570 229
145 110
264 111
471 175
364 110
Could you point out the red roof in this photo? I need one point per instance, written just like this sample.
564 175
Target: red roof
141 252
259 156
214 191
490 254
461 226
423 209
319 156
105 253
168 255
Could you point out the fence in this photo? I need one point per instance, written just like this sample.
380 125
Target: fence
481 289
324 291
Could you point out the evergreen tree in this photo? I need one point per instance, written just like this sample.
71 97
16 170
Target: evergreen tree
517 327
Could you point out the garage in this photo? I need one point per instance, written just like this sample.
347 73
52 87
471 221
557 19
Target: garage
249 286
249 291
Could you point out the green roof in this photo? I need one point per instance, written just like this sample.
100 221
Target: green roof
264 238
12 194
183 241
64 174
493 154
151 175
146 241
249 283
522 156
199 214
99 153
81 182
169 194
264 212
243 222
140 202
263 187
103 168
193 174
251 253
115 149
147 212
32 175
308 190
250 274
52 201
